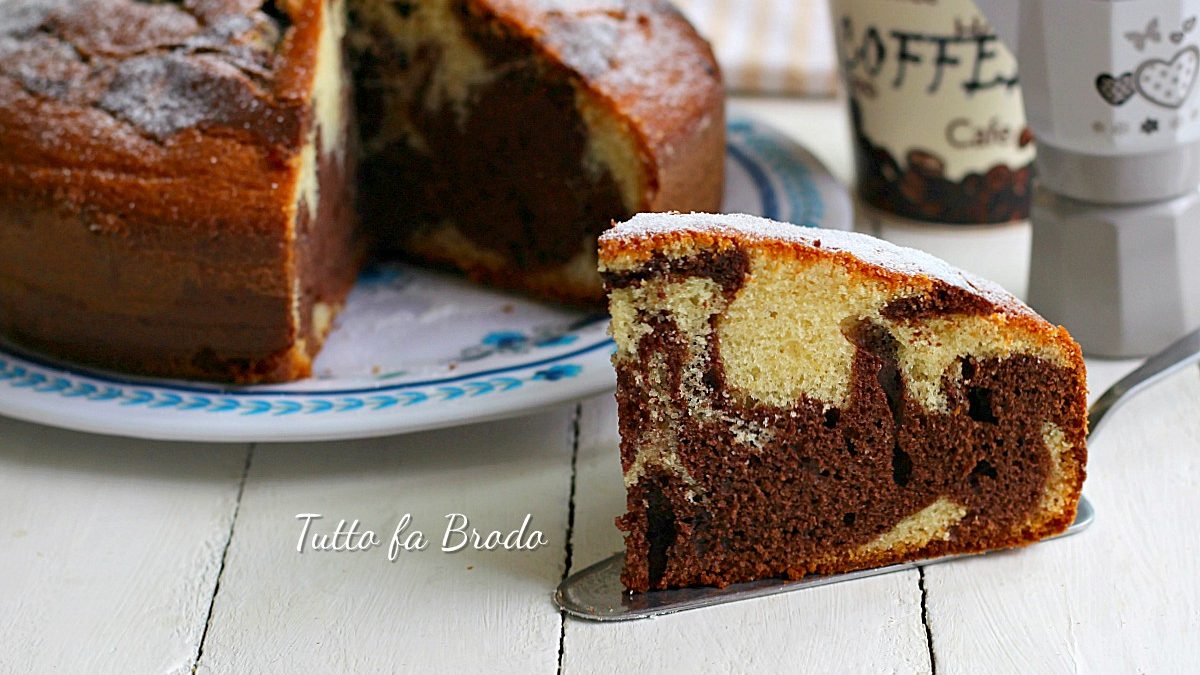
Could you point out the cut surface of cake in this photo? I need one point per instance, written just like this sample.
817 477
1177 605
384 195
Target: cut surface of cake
796 401
176 194
501 136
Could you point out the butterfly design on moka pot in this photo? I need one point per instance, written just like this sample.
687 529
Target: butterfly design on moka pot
1110 92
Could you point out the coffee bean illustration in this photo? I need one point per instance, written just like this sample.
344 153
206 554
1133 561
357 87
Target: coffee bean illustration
887 165
926 163
912 187
972 184
919 188
998 178
1021 181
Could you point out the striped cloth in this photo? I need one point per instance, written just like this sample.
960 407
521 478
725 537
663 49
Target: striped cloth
770 46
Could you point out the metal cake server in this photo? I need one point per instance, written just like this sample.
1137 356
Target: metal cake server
596 593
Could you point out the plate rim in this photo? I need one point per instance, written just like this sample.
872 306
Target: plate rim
64 369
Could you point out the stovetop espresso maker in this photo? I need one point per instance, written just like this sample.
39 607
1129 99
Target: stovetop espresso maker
1111 95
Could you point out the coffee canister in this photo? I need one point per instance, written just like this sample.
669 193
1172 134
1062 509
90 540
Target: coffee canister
936 110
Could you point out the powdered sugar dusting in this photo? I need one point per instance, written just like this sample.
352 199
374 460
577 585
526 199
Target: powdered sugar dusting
153 65
883 254
19 18
165 94
634 51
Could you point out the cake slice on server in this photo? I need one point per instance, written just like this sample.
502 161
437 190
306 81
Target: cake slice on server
796 401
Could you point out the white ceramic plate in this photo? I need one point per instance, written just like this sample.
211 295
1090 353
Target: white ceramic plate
414 349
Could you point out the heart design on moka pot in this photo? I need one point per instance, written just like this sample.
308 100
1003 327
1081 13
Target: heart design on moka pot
1168 83
1116 90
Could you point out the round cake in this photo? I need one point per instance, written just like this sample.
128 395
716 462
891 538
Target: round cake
798 400
181 183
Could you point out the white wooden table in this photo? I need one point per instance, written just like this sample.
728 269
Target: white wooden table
137 557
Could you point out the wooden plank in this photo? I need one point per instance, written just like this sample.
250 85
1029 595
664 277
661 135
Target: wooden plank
872 625
110 549
1122 597
473 611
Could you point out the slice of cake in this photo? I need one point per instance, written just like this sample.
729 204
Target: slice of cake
501 136
176 191
798 401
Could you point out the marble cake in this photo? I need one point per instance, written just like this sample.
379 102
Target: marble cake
796 401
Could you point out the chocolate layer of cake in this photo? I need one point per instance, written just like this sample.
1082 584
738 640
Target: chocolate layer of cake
956 429
508 168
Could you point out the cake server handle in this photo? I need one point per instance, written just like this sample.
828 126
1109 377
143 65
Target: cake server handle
1181 354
